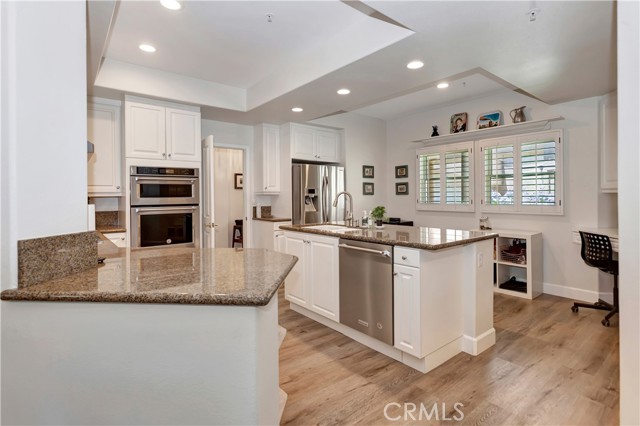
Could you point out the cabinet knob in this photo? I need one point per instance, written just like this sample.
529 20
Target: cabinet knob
404 257
164 155
395 274
169 155
117 187
265 188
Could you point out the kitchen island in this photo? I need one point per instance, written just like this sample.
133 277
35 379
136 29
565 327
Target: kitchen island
154 336
441 297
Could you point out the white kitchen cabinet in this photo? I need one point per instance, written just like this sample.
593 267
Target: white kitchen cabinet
267 159
161 131
314 281
608 117
406 308
104 167
268 235
117 238
427 287
314 143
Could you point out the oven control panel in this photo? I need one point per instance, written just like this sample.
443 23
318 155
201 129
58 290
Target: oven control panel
162 171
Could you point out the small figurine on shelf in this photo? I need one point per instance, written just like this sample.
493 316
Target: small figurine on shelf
435 131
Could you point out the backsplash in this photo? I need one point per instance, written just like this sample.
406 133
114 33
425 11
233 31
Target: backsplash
42 259
106 219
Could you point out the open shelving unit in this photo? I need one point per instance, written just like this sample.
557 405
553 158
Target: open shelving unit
491 132
517 263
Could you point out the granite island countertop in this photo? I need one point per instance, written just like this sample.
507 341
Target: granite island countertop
170 275
407 236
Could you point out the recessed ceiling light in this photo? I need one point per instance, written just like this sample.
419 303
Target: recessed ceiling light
296 109
147 48
171 4
443 85
344 91
414 65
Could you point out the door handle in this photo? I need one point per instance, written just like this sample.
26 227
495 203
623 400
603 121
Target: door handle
385 253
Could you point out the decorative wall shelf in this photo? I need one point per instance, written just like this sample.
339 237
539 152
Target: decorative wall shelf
492 132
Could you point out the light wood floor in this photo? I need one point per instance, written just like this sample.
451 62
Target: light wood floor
548 367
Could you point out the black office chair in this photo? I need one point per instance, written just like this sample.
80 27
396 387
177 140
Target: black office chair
597 252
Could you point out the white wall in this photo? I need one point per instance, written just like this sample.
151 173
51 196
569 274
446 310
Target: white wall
364 144
629 199
564 271
228 201
44 126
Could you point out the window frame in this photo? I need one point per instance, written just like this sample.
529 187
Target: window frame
442 205
517 141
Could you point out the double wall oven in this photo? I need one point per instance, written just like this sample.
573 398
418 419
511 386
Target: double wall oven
165 207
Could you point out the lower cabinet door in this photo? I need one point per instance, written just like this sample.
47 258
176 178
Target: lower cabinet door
406 310
294 285
324 277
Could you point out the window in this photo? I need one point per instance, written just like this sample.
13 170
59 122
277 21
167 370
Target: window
445 177
522 174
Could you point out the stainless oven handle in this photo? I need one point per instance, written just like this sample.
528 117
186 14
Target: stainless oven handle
164 209
385 253
164 180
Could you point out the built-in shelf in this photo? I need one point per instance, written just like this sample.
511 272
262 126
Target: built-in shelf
492 132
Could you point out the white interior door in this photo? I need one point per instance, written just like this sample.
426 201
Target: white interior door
207 179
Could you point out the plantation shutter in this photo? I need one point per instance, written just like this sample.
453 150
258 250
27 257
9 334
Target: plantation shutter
457 177
429 178
498 175
538 167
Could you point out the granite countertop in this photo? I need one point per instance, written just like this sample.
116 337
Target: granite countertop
171 275
407 236
273 219
107 229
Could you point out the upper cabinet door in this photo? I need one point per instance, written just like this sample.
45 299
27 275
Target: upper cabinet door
183 135
104 166
271 159
327 146
303 143
145 131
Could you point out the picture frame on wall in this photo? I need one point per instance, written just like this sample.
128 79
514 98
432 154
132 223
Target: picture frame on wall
458 123
402 188
367 188
237 181
367 172
490 119
402 172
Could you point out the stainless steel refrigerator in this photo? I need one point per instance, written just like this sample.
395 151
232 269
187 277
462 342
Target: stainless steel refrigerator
314 188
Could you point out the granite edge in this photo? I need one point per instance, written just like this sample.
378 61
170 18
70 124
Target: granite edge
262 299
423 246
272 219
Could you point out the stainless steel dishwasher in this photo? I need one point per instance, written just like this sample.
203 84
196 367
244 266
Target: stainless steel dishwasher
366 288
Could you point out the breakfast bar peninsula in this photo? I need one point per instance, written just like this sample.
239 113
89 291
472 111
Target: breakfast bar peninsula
158 336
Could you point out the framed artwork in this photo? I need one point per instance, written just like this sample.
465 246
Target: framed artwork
402 188
367 172
237 181
402 172
490 119
367 188
458 122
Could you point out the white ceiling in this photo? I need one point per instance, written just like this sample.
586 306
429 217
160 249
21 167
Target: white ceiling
226 57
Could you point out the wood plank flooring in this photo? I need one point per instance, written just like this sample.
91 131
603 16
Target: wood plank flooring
548 367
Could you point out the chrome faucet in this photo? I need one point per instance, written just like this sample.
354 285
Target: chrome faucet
349 213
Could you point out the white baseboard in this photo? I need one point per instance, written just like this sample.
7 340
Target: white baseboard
477 345
574 293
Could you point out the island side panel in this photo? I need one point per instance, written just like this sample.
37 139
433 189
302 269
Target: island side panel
479 333
101 363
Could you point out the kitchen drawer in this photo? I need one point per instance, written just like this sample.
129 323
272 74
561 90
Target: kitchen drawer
407 257
118 238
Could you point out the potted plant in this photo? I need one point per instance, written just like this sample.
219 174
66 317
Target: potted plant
378 213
